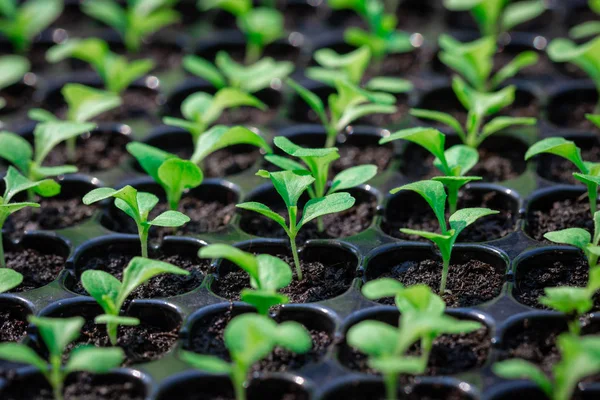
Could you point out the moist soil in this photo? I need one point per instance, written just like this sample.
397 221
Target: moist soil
419 216
53 214
351 156
164 285
208 339
573 115
248 116
228 161
570 213
38 269
398 65
387 119
469 284
559 170
321 282
17 97
13 327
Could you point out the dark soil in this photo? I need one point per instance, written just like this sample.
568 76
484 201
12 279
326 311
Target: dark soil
226 162
248 116
13 327
166 57
559 170
469 284
384 120
351 156
570 213
17 97
165 285
321 282
38 269
53 214
573 115
524 106
398 65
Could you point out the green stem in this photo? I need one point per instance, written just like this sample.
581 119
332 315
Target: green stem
296 258
574 326
2 258
56 378
238 378
320 224
331 136
111 331
390 386
253 52
445 268
452 198
143 233
593 196
293 214
71 152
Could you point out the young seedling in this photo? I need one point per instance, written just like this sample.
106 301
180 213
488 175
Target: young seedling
56 334
14 184
348 104
589 173
12 70
422 320
433 193
480 105
581 239
134 22
268 274
291 185
261 25
22 21
318 163
594 119
138 205
201 110
250 79
589 28
111 294
249 338
580 358
116 71
585 56
453 163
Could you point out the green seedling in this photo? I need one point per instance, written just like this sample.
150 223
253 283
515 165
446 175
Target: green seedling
433 193
12 70
594 119
422 320
116 71
348 104
22 21
135 21
497 16
291 185
14 184
479 105
268 274
227 73
581 239
138 206
261 25
579 358
589 173
249 338
56 334
474 61
201 110
9 279
589 28
111 294
318 163
453 163
585 56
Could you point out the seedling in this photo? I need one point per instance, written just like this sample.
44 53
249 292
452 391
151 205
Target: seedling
201 110
249 338
594 119
138 20
261 25
589 28
9 279
589 173
433 193
12 70
116 71
138 205
348 104
21 21
580 358
268 274
14 184
291 185
422 320
225 72
585 56
57 333
453 163
480 105
318 163
111 294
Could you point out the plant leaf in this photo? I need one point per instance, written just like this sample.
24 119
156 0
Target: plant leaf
353 64
430 139
311 99
330 204
521 61
57 333
94 359
229 98
291 184
12 69
16 150
149 157
437 116
107 12
202 362
522 11
520 369
560 147
293 336
244 260
49 134
577 237
103 287
250 337
389 84
86 103
374 338
352 177
467 216
433 193
264 210
177 175
500 123
104 319
9 279
219 137
273 273
170 219
15 183
20 353
568 300
205 70
380 288
262 300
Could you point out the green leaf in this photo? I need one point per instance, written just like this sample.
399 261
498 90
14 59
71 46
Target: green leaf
244 260
263 300
585 30
460 159
149 157
433 193
12 70
374 338
103 287
46 172
235 7
585 56
229 98
419 300
467 216
473 60
220 137
311 99
595 119
86 103
353 65
16 150
170 219
568 300
519 12
262 25
16 183
520 369
330 204
482 103
92 51
560 147
40 115
352 177
437 116
210 364
577 237
250 337
291 184
94 359
49 134
119 73
57 333
399 365
431 139
107 12
293 336
389 84
273 273
178 175
117 320
31 18
127 194
284 163
264 210
205 70
380 288
20 353
521 61
500 123
9 279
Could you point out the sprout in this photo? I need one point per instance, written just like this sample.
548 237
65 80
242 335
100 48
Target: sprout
581 239
14 183
249 338
346 106
138 206
56 334
580 358
268 274
21 22
589 173
12 70
111 294
291 185
589 28
227 73
479 105
137 21
433 193
422 320
453 163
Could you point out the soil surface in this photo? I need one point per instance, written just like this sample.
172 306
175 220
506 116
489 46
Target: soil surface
557 169
398 65
17 97
53 214
38 269
384 120
572 115
248 116
351 156
13 327
226 162
570 213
